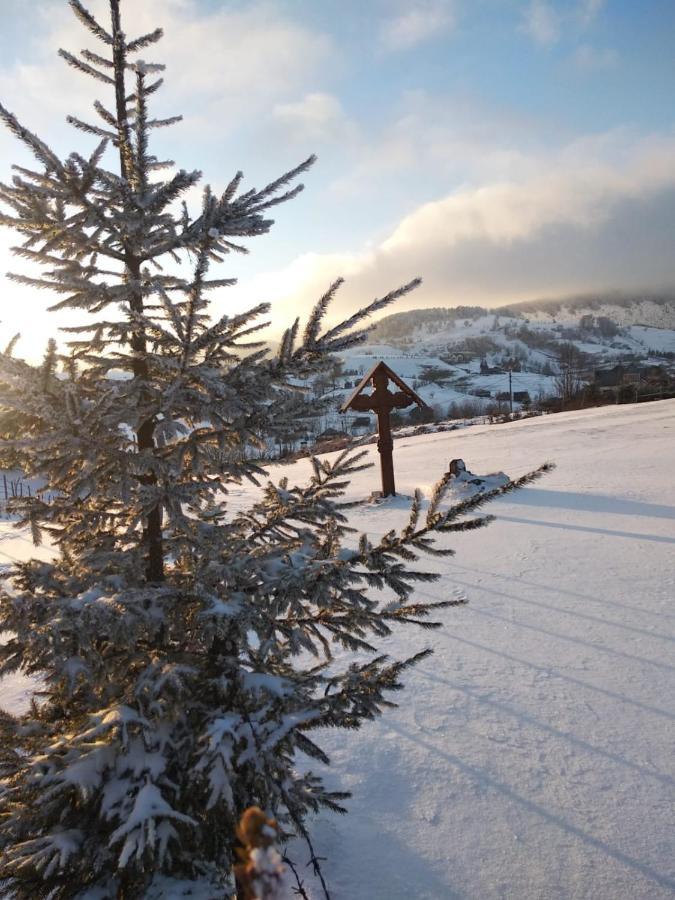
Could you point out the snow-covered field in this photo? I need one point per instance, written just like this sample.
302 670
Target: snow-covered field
533 756
463 380
658 339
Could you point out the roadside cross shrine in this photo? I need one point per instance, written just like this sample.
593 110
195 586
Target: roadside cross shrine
381 401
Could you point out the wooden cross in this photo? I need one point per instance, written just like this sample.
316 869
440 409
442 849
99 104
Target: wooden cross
381 401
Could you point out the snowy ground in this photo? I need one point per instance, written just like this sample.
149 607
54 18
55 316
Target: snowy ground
658 339
533 756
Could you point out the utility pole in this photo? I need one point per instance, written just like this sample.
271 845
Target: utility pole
511 389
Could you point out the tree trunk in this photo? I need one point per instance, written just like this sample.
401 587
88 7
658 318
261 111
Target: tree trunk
152 531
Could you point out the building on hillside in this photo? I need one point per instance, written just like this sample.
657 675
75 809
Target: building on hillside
606 326
328 434
518 396
360 422
655 375
485 369
618 376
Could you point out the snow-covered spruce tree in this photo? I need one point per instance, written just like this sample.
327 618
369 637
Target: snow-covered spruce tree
184 650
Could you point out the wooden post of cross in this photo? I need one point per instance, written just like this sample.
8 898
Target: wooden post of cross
381 401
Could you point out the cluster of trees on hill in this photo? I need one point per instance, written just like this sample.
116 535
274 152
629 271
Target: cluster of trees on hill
403 324
621 301
398 326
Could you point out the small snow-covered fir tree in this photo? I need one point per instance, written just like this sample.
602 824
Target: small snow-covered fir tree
183 650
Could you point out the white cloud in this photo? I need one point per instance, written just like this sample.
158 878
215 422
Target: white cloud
317 117
594 215
589 11
442 139
545 22
221 62
416 23
541 23
590 59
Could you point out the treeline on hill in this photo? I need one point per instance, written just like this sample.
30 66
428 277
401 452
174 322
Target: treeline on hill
399 325
580 303
403 324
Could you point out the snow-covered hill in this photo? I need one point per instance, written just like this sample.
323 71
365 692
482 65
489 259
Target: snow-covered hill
532 336
469 357
441 383
653 310
656 310
532 756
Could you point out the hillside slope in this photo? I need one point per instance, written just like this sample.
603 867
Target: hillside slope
467 360
656 310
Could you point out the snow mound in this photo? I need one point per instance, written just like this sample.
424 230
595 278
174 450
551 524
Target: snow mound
464 484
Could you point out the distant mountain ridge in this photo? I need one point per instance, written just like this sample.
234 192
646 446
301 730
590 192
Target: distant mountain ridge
645 308
656 309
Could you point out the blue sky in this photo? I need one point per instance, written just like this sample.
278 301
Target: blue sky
501 149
